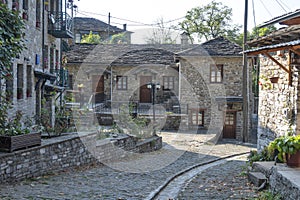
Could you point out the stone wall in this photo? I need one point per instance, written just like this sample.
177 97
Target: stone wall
277 101
31 57
198 91
58 154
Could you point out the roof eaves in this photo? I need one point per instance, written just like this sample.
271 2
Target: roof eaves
281 18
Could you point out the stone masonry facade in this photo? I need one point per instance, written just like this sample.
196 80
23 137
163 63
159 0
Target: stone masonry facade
278 102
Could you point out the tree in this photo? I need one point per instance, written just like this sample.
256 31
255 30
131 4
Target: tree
260 32
120 38
91 38
210 21
162 34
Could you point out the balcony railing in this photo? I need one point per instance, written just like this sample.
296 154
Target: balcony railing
60 25
61 77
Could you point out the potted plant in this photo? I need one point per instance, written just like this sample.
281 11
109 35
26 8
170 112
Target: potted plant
14 135
288 148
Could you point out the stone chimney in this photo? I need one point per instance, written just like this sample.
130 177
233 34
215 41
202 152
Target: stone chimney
124 27
184 38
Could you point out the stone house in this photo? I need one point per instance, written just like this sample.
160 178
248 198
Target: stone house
85 25
199 87
278 61
37 72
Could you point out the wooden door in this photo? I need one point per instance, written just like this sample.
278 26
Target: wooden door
229 129
145 93
98 88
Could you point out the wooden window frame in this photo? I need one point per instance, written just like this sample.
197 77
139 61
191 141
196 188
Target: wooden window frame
170 80
197 111
215 69
121 85
20 83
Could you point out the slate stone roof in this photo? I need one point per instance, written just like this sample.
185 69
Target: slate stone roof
138 54
92 24
124 54
216 47
145 56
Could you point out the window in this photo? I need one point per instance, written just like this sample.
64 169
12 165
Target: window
168 82
29 81
25 4
51 63
56 59
197 117
121 82
38 14
9 86
15 5
45 59
77 38
216 73
20 81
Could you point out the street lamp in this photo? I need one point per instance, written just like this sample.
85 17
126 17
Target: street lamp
153 87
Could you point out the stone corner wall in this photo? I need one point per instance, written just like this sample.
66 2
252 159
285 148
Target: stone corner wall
278 102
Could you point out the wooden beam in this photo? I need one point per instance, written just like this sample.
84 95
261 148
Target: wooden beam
278 63
295 51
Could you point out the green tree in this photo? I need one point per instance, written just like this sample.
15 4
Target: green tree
210 21
260 32
91 38
162 34
120 38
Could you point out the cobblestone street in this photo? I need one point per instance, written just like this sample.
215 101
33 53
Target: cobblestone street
104 182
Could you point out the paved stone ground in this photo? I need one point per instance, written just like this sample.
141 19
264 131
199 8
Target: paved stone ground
227 181
132 178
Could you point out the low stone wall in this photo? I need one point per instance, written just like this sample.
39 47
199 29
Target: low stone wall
282 179
285 182
176 122
58 154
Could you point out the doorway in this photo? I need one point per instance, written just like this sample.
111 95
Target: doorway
145 93
229 129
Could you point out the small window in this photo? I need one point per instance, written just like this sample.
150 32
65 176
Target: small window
29 81
216 73
15 5
197 117
168 82
45 59
38 14
77 38
121 82
25 4
20 77
9 86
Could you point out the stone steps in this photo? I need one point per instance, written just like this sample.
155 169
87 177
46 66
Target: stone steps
281 179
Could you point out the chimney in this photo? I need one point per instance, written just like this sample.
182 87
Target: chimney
184 38
124 27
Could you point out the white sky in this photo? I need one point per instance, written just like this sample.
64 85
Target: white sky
148 12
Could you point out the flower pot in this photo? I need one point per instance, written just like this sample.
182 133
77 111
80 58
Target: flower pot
293 160
12 143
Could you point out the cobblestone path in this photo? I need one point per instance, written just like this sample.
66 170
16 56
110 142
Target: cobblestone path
227 181
103 182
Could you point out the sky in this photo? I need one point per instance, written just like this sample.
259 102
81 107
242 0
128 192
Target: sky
138 13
